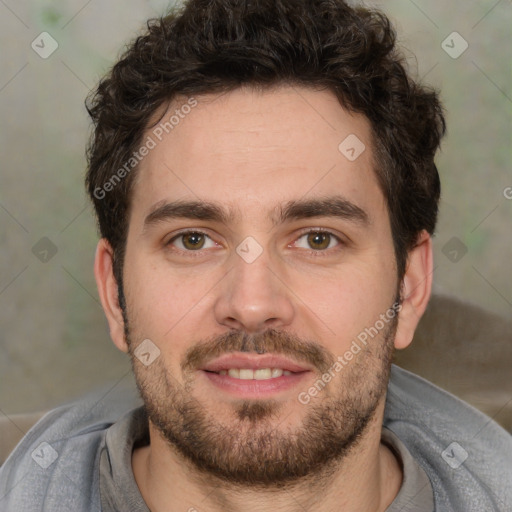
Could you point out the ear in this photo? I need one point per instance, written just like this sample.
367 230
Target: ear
416 289
108 291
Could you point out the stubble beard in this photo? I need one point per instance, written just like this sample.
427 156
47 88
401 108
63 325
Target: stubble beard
252 449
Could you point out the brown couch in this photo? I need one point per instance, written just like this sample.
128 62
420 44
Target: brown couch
467 351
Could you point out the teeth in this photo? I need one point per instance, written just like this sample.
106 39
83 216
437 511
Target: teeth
245 374
265 373
259 374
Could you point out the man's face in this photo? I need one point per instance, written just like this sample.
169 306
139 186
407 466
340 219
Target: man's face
255 242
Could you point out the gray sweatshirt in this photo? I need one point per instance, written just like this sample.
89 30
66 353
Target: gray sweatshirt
77 457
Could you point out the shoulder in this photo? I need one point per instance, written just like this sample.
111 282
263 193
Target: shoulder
467 456
55 467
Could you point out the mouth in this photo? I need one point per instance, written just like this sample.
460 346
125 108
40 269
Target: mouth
254 376
250 374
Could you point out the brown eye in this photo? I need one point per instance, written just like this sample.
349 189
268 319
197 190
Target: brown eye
319 240
193 241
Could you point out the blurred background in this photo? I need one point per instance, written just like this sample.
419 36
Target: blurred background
54 341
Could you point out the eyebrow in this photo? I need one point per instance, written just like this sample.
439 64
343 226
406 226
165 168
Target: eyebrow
333 206
197 210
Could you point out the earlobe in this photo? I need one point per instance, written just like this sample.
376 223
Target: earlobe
108 292
416 289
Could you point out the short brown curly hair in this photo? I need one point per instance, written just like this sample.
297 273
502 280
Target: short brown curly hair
208 46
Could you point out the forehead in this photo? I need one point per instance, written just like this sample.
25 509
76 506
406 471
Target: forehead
252 150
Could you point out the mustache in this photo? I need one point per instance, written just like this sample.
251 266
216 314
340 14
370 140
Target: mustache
270 341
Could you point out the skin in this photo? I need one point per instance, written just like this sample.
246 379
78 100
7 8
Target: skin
252 152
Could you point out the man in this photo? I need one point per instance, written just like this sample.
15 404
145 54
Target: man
264 180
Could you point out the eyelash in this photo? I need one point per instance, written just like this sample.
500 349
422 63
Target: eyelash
325 252
184 233
315 253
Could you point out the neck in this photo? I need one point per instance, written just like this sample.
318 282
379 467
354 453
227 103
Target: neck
367 479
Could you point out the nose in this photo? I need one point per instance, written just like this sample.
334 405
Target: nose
254 297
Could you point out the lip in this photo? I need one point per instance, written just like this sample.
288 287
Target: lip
255 389
254 362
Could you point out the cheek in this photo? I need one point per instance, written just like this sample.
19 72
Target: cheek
165 305
160 311
341 305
